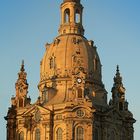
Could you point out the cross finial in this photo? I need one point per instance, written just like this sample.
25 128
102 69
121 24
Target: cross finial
117 68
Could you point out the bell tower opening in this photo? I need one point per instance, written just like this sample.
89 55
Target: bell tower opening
67 15
77 16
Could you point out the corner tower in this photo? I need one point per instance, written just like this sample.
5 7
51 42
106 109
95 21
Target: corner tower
21 86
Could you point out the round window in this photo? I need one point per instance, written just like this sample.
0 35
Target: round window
80 113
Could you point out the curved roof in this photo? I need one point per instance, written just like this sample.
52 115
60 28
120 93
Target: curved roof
67 53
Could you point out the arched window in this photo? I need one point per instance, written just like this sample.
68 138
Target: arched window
67 16
120 106
51 63
79 93
79 133
59 135
112 135
21 135
77 16
96 134
123 137
37 134
21 102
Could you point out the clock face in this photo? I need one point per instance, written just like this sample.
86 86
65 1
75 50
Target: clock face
79 80
80 113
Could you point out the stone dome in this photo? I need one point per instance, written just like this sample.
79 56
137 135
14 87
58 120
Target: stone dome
68 53
68 65
70 69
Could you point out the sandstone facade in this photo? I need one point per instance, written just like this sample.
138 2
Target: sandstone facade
72 102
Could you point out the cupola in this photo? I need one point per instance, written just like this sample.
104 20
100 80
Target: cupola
71 17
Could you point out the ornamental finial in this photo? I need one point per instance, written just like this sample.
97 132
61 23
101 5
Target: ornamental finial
118 78
22 66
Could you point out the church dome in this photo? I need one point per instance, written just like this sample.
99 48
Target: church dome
71 64
70 68
69 53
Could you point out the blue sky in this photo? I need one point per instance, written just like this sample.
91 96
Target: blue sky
25 27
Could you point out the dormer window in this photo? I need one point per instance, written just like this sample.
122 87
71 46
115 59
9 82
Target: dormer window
52 62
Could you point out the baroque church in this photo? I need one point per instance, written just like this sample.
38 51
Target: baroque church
72 102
